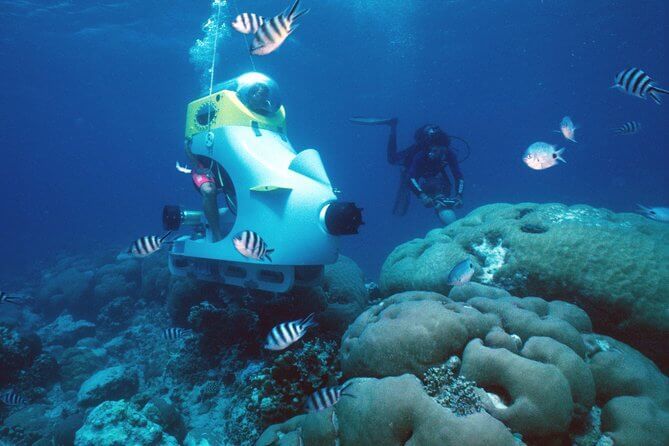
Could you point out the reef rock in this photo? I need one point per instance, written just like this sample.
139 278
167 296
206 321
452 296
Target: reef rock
77 365
66 331
614 266
115 423
347 296
114 383
633 393
391 412
17 352
530 345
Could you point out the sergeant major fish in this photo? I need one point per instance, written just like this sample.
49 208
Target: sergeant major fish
636 82
12 398
628 128
174 333
541 155
248 23
326 397
273 32
461 273
287 333
568 129
251 245
656 213
144 247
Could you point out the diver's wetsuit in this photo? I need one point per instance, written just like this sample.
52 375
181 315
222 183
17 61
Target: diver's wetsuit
430 177
420 174
402 158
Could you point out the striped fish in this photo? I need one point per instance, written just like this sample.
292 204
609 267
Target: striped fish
11 398
287 333
271 34
7 299
628 128
248 23
326 397
174 333
636 82
145 246
251 245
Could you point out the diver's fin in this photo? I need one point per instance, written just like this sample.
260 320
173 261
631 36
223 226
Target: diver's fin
366 120
268 188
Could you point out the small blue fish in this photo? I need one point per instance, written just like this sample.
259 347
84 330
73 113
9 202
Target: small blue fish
568 129
461 273
656 213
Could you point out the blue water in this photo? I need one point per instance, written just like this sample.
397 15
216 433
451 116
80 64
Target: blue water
94 95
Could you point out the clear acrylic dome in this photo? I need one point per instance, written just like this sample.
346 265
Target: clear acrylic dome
258 92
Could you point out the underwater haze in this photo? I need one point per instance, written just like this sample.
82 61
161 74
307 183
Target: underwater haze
94 96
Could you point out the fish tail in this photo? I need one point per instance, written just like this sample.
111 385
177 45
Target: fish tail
300 14
655 97
291 11
267 254
643 208
162 239
559 154
308 321
345 386
660 90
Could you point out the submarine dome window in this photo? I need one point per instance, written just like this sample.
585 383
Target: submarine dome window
206 114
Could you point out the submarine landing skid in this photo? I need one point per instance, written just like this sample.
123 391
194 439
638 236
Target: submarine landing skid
272 278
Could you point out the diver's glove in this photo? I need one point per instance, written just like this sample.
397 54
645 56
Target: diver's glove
428 202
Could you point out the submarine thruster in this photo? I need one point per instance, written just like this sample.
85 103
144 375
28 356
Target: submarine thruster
285 197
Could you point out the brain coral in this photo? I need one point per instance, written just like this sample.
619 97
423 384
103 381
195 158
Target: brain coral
392 411
530 345
615 266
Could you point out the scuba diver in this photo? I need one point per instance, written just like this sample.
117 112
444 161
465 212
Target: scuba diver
424 169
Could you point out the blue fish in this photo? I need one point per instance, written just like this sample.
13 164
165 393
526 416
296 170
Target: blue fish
461 273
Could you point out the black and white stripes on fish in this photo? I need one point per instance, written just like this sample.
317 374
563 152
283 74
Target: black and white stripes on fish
326 397
147 245
251 245
635 82
248 23
11 398
628 128
174 333
273 32
287 333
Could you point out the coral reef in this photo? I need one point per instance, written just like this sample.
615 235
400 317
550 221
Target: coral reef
110 384
280 389
17 352
623 288
347 296
450 390
118 422
66 331
391 411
